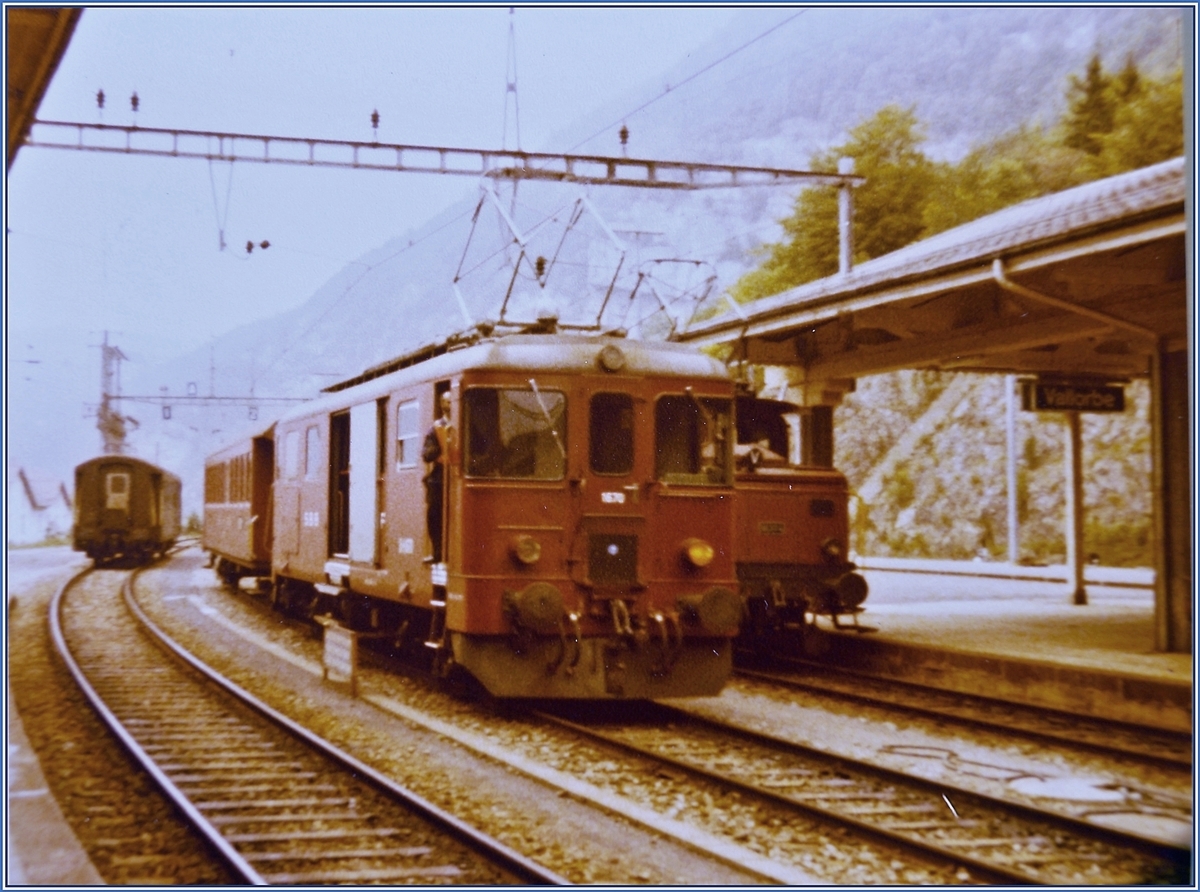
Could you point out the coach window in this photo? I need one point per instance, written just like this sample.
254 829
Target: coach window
291 455
312 453
214 484
117 491
691 440
515 434
610 429
408 435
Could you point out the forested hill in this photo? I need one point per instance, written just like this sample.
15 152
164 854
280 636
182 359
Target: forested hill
778 86
971 74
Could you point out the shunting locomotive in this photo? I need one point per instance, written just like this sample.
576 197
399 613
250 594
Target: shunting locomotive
125 509
791 532
563 531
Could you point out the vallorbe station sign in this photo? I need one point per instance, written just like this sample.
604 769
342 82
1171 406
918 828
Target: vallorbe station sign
1071 396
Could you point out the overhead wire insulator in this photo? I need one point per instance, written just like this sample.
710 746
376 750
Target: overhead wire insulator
100 98
134 101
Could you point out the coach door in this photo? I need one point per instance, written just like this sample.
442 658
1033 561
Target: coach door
365 483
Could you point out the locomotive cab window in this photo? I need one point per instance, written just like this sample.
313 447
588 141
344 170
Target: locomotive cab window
768 434
610 432
692 440
515 434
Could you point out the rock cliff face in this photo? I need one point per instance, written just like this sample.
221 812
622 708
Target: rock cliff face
927 454
780 85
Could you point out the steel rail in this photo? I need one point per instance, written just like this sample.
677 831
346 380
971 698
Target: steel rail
227 853
949 714
1082 827
528 870
983 869
355 154
497 854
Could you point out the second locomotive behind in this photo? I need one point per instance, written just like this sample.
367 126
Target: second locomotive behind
587 530
792 532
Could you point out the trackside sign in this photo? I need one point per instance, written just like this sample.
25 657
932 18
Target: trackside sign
1042 396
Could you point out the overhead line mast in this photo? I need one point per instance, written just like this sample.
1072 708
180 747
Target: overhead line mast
602 170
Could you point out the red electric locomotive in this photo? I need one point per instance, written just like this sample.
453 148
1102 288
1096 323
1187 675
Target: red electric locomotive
584 490
792 531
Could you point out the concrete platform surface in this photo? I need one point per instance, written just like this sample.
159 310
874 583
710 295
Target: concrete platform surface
41 847
1020 638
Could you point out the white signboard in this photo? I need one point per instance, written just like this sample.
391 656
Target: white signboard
340 659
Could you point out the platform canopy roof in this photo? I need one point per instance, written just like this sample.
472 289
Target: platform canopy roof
1090 281
37 38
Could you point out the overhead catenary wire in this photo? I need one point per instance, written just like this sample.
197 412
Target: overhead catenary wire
691 77
345 291
510 87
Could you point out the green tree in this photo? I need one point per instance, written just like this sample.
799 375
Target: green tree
1090 108
887 208
1020 165
1128 83
1114 123
1147 129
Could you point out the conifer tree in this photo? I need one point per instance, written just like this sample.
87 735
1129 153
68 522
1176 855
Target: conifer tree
1090 110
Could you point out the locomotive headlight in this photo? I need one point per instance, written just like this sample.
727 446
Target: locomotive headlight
698 552
833 550
526 549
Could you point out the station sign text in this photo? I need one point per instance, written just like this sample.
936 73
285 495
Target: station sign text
1042 396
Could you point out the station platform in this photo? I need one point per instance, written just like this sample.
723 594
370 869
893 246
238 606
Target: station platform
41 848
1014 632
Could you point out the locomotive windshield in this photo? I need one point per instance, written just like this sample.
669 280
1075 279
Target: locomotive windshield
611 433
692 441
515 434
768 434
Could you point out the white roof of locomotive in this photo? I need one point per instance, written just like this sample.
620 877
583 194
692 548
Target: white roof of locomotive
533 354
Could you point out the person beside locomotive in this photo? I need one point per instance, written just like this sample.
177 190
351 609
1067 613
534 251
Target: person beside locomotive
435 452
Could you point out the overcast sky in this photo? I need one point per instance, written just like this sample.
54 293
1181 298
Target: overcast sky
131 244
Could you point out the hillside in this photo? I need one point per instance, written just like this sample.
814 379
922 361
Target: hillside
970 73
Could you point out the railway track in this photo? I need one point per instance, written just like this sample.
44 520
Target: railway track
275 803
994 841
1148 746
